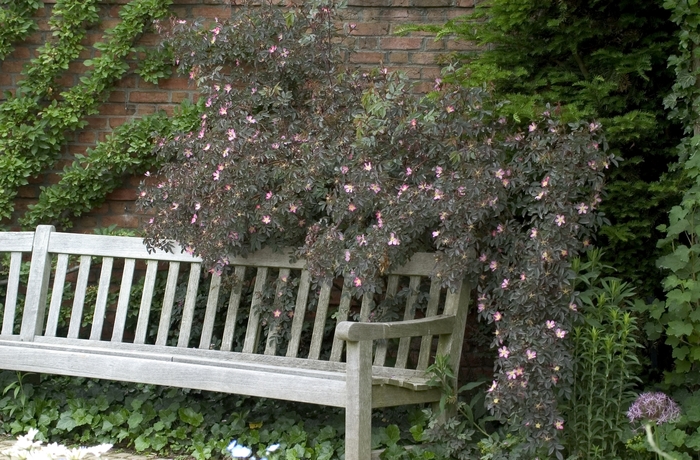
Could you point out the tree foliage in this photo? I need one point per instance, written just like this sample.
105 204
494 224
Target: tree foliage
601 58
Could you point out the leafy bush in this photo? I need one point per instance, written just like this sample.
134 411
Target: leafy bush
358 173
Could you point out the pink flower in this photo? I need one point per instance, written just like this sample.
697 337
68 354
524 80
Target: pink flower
560 333
493 265
438 195
352 207
533 233
293 208
266 219
348 188
357 282
482 257
560 220
375 188
512 374
436 234
231 134
216 175
531 354
532 127
207 147
368 166
223 111
559 424
545 181
393 241
361 240
347 256
497 316
277 313
550 324
268 195
409 171
344 169
500 174
194 219
227 88
503 352
504 284
573 307
582 208
493 386
438 171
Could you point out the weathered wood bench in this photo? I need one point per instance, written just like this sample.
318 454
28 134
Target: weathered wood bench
119 325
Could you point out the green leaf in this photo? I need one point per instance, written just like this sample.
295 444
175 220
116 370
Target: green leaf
679 328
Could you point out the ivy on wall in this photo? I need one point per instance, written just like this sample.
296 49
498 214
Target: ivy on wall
127 151
16 22
29 147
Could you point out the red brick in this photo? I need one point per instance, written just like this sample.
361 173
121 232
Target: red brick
369 3
86 137
401 43
117 96
178 97
121 221
28 191
123 194
115 122
422 58
145 109
398 57
465 4
175 83
211 12
367 43
459 45
370 29
433 45
96 123
149 96
117 109
366 57
431 3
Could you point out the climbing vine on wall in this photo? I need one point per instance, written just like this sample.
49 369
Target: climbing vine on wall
30 146
16 22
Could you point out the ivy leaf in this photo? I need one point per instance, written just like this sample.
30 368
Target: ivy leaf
679 328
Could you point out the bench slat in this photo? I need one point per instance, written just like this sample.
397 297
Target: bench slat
432 310
210 312
123 300
409 314
59 282
76 315
299 314
188 308
251 334
320 320
343 312
98 318
16 241
273 334
168 301
392 286
8 317
149 284
232 311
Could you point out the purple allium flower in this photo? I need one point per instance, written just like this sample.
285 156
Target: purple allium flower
656 407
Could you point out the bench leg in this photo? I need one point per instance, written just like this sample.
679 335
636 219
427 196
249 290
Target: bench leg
358 410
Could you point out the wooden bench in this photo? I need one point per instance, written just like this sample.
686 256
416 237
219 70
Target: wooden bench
121 325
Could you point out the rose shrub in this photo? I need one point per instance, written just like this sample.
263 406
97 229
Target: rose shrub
357 173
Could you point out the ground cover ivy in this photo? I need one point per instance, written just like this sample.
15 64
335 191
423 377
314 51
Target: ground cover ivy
30 147
357 172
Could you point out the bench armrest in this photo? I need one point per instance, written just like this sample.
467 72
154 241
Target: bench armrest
435 325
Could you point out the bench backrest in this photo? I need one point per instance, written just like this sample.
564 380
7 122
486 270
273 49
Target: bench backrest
107 288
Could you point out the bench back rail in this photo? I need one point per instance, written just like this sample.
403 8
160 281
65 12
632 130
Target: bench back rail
105 288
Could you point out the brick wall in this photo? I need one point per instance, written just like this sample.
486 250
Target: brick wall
371 23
